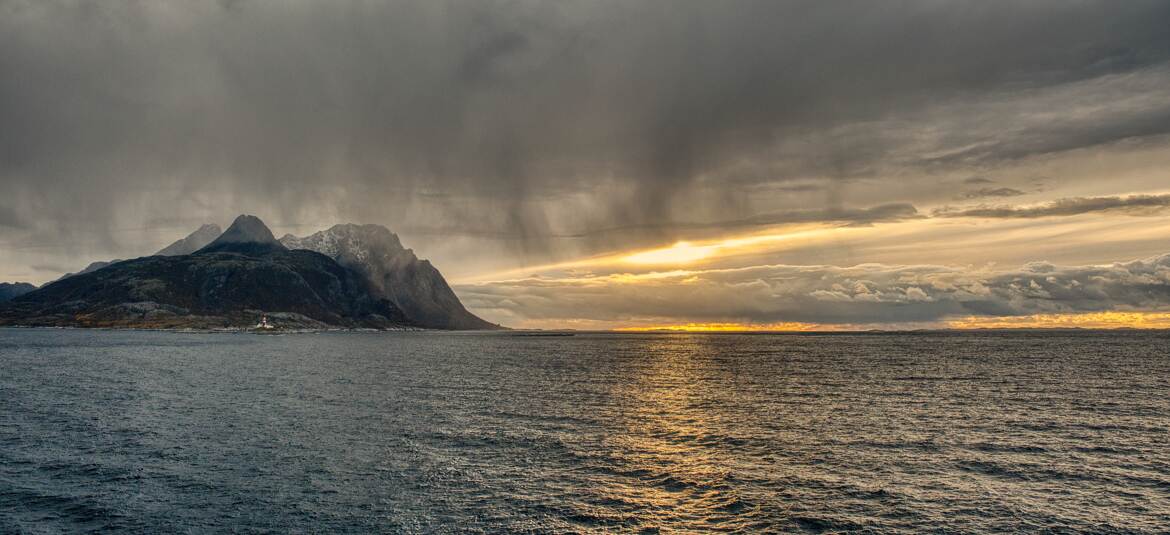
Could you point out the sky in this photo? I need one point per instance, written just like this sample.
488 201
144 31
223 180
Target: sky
613 164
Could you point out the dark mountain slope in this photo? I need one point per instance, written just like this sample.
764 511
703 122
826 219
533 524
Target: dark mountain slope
228 283
207 290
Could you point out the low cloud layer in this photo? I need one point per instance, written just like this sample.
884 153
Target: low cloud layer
863 294
1132 205
992 192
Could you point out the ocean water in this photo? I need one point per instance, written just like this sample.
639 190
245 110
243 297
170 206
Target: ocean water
147 432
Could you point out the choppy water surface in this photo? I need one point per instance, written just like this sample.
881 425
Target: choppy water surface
424 432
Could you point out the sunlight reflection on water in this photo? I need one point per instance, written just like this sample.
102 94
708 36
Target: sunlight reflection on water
425 432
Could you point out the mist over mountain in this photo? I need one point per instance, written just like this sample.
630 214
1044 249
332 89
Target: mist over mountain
187 245
93 266
349 276
193 242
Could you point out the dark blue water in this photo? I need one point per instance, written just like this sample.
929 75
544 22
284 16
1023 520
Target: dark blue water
144 432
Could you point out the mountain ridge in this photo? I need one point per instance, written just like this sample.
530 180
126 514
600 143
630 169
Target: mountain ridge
348 276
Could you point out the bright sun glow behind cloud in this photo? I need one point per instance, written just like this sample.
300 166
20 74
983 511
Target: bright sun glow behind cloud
680 253
683 252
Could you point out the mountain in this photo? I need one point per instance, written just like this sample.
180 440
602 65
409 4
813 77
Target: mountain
230 282
413 285
346 276
247 235
12 290
193 242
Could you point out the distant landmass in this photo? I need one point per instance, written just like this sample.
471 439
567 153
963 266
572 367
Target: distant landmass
349 276
12 290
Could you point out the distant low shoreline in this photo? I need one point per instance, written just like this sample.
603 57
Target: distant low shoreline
551 333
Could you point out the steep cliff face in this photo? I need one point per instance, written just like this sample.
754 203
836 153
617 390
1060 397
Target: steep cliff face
413 285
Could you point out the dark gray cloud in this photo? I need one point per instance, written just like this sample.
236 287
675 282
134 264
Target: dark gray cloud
9 219
1137 205
473 114
51 268
869 293
1132 205
982 193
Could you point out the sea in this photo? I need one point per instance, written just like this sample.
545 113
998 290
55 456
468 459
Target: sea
428 432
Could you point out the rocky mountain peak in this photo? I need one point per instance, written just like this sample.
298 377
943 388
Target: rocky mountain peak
358 243
248 235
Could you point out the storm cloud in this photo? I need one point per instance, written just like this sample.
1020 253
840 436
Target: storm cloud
992 192
496 136
474 115
1133 205
848 217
